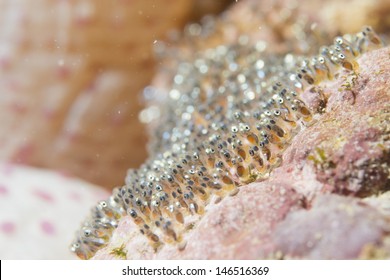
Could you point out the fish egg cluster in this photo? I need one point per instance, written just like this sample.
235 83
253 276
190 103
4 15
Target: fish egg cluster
232 112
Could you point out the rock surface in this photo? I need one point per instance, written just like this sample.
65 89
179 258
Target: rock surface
335 227
327 200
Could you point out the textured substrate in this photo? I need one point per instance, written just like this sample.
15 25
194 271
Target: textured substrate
328 200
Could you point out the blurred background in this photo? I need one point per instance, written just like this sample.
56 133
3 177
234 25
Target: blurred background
71 77
71 73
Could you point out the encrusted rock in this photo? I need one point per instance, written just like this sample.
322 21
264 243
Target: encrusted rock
344 152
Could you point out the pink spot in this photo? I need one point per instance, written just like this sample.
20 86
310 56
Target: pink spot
72 136
91 87
49 114
8 227
4 63
3 190
75 196
87 162
13 86
65 174
83 20
24 20
101 194
7 169
18 108
117 118
151 21
63 72
43 195
50 43
48 228
24 153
